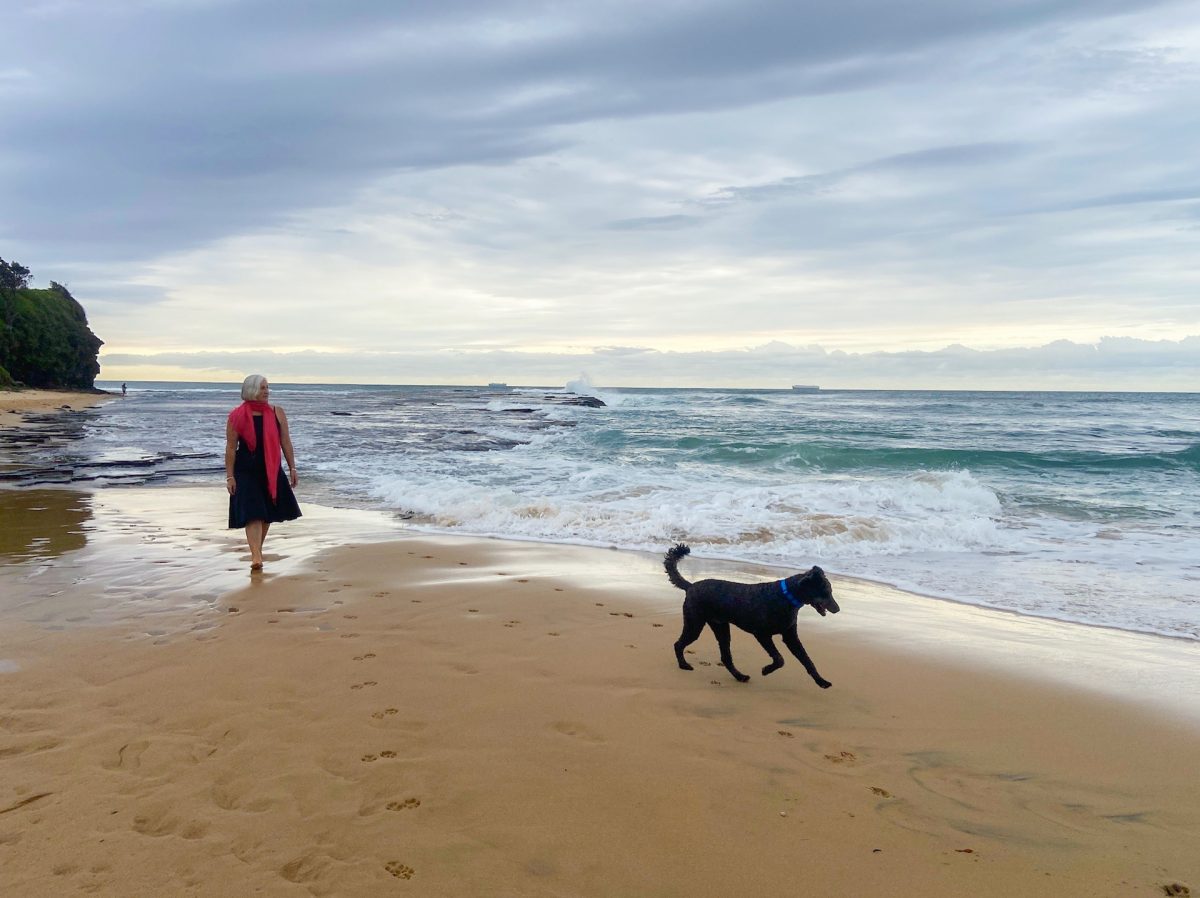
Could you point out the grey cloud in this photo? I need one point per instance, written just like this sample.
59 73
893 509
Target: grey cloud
145 128
1130 198
656 222
931 158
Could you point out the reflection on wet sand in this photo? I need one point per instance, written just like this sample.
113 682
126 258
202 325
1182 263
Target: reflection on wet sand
42 523
70 558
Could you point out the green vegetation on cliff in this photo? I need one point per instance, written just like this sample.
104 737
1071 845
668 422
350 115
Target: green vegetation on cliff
45 340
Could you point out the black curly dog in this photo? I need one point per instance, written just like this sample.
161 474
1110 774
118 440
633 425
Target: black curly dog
762 609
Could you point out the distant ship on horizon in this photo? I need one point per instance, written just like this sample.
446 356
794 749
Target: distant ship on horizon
806 388
497 385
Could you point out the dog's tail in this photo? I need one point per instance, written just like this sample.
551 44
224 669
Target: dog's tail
671 563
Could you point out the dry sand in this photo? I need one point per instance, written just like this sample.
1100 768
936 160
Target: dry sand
451 717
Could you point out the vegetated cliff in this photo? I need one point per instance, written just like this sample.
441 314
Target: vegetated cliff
45 340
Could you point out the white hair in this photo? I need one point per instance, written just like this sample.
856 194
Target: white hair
251 385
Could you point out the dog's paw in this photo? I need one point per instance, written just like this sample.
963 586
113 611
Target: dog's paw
742 678
824 684
685 666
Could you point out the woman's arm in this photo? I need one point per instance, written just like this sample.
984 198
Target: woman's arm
285 443
230 451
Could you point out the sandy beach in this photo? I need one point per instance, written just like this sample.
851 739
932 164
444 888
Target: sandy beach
14 404
442 716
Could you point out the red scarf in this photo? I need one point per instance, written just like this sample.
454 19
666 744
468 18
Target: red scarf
242 419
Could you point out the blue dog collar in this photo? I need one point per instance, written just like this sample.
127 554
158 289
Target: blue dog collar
788 595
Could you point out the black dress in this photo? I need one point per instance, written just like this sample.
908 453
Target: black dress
251 501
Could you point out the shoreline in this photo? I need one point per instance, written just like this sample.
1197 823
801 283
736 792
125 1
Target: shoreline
484 716
735 567
1099 659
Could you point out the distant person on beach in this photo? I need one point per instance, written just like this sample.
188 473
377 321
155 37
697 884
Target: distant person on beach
256 435
122 389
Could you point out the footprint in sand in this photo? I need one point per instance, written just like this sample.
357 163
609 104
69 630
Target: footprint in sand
129 756
511 623
715 682
367 657
386 753
386 712
473 610
656 625
785 733
522 581
845 757
364 684
463 564
350 616
399 870
407 805
1176 888
380 595
552 634
882 793
349 636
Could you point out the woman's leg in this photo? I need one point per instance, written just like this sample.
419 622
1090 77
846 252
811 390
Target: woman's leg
255 531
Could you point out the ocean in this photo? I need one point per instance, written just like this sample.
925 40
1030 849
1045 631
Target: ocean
1075 506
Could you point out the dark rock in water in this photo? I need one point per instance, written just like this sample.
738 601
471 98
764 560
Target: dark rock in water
586 401
343 414
518 411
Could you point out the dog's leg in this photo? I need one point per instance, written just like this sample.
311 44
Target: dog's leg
792 641
768 643
721 631
693 626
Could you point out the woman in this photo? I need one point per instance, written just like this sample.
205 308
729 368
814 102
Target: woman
259 495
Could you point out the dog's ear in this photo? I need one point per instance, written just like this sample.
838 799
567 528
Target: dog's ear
817 570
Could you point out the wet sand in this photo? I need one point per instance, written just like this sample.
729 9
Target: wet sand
444 716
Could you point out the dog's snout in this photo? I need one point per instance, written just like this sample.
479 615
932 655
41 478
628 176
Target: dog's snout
833 606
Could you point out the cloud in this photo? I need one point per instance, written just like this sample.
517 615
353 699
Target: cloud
1109 364
528 177
229 116
656 223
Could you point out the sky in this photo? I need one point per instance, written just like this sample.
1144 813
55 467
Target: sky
1001 194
